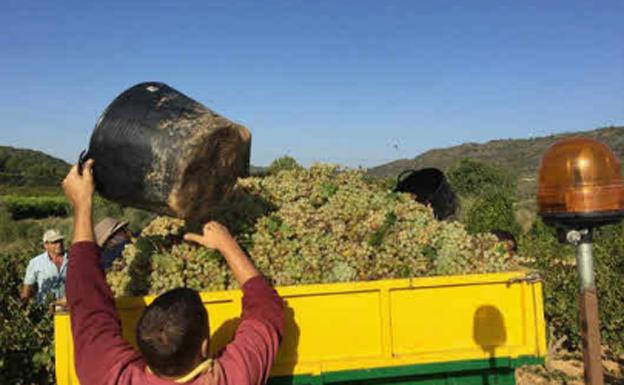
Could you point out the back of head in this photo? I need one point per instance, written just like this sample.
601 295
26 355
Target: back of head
171 330
508 238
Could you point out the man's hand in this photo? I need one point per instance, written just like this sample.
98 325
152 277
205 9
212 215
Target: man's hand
79 188
215 236
79 192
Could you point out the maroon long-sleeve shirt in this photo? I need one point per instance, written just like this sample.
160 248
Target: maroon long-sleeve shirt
102 356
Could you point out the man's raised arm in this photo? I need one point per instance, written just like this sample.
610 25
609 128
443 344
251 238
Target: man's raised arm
100 353
249 357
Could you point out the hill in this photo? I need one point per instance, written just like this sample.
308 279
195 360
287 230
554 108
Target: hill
521 156
23 169
33 172
257 170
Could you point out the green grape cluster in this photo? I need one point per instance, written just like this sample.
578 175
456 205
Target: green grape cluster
204 269
321 224
163 227
130 275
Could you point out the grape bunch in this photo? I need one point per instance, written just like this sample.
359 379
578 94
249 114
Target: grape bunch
322 224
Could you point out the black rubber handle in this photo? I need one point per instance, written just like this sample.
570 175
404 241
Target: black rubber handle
81 161
399 178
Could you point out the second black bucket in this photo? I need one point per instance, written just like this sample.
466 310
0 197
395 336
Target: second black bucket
157 149
429 186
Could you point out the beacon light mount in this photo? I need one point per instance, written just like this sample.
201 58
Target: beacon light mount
581 188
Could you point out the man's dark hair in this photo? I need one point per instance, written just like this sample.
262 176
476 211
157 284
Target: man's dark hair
506 236
171 330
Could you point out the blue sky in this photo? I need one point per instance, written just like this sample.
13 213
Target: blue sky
358 83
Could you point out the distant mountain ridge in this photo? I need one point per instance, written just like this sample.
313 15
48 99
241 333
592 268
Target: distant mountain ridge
21 167
24 167
520 156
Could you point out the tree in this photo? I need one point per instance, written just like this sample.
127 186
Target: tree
283 163
487 196
492 210
470 178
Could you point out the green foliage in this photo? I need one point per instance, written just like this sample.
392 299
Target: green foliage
26 343
17 236
486 196
27 207
11 230
31 191
22 207
19 167
103 207
492 211
283 163
26 331
470 177
609 255
557 262
137 218
377 237
387 183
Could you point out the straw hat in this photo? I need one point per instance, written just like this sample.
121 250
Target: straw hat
106 228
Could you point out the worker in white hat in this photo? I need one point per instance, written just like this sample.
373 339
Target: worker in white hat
45 274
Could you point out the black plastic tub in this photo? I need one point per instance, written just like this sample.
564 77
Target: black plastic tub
157 149
429 186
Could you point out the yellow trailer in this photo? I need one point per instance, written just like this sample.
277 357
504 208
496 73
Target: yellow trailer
470 329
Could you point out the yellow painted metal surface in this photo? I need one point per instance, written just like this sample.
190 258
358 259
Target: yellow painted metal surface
365 325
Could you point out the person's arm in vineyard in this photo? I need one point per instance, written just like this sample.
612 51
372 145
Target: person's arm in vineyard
27 292
249 357
29 287
100 353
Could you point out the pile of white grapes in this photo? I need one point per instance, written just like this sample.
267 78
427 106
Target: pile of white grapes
314 225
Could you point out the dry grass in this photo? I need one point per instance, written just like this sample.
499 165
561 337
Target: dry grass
567 369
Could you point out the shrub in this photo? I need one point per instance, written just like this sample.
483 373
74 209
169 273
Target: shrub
557 262
492 210
103 207
137 218
609 257
26 335
470 177
283 163
22 207
28 167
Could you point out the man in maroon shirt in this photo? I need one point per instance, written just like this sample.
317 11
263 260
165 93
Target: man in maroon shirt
172 333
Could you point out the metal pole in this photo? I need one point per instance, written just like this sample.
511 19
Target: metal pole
585 265
588 307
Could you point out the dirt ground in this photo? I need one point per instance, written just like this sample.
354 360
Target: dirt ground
567 369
